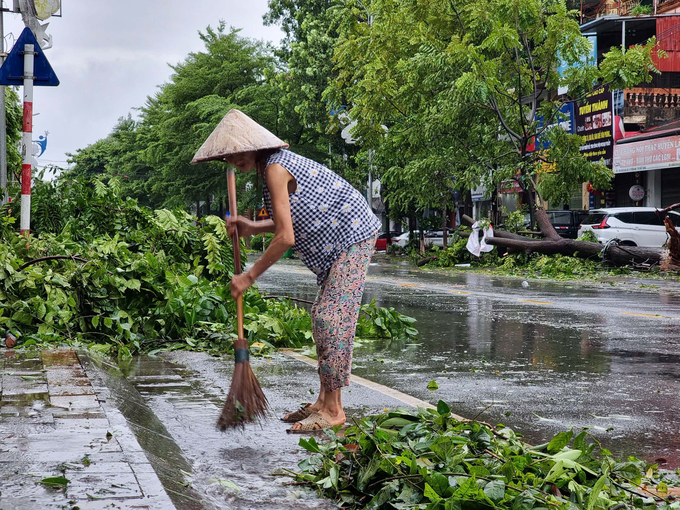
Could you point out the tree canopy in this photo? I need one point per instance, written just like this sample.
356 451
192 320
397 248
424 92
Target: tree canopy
455 91
443 96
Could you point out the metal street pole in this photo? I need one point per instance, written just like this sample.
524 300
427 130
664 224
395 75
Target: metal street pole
27 141
370 178
4 192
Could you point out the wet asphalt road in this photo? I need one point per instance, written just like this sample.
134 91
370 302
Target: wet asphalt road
541 359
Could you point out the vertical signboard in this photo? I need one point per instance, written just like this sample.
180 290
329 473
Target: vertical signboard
595 123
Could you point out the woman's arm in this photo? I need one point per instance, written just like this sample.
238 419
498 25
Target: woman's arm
278 179
260 227
248 227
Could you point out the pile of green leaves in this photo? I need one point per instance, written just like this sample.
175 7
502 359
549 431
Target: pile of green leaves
429 460
378 322
99 269
103 271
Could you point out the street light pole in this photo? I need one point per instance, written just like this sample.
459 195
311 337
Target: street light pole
4 192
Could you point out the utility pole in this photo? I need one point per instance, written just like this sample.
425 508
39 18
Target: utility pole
4 192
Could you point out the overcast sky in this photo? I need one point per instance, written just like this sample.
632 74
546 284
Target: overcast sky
110 55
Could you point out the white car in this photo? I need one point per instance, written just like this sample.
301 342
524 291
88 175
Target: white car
403 239
431 238
633 226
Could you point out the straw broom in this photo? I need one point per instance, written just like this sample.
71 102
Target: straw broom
246 402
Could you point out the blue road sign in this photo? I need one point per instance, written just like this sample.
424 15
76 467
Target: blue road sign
12 71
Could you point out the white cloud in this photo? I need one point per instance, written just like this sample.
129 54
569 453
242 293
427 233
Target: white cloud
109 56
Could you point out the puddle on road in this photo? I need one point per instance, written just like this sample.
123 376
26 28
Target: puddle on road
496 352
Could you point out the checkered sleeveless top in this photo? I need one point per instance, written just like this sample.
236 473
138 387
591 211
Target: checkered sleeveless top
328 214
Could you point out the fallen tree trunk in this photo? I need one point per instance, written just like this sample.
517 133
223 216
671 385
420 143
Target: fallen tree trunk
553 244
673 260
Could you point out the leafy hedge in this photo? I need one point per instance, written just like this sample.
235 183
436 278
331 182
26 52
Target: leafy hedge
256 242
428 460
101 270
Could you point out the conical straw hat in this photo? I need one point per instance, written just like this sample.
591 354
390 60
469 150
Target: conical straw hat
236 133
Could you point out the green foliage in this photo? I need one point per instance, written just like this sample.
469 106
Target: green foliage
378 322
256 241
14 125
395 249
514 222
588 236
535 265
446 78
103 271
125 277
429 460
284 325
456 253
641 10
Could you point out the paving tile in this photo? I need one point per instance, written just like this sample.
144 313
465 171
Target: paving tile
19 385
53 419
75 414
23 424
92 483
60 357
80 423
23 363
24 399
76 402
68 381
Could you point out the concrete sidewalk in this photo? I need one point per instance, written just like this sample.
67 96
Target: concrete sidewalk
55 423
142 435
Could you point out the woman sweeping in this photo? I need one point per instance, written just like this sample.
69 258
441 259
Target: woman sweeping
329 226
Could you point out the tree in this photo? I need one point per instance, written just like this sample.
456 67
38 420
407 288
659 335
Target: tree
152 155
465 83
307 57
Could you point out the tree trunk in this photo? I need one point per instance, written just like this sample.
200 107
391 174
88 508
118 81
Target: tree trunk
220 210
445 223
673 261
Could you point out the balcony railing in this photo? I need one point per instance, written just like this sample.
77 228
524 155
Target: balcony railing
664 6
652 98
623 8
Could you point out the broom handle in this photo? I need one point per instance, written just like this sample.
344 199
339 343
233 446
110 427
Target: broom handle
233 212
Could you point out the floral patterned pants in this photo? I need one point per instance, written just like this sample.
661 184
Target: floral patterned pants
335 313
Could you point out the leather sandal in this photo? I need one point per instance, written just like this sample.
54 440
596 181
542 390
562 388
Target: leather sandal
298 415
313 422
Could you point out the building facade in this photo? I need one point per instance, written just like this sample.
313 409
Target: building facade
646 155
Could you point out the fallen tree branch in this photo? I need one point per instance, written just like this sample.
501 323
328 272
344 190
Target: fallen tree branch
662 212
52 257
299 300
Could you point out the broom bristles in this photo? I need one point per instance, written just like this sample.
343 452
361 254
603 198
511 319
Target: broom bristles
246 402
